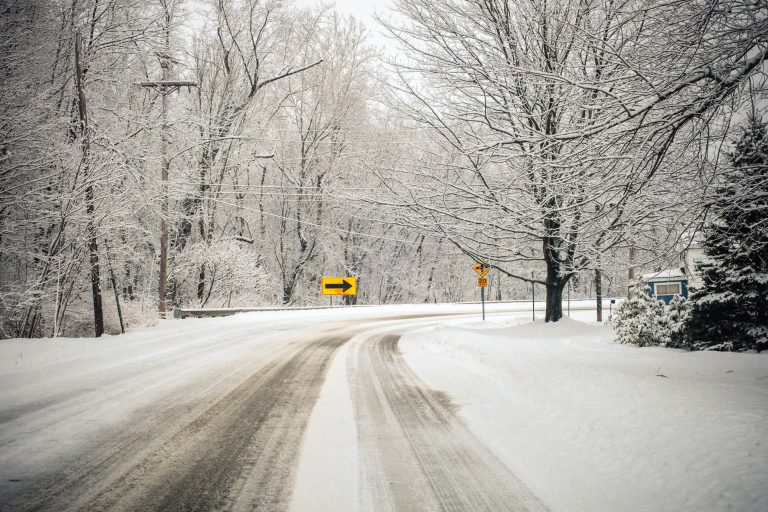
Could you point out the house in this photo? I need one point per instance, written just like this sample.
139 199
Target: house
665 284
692 257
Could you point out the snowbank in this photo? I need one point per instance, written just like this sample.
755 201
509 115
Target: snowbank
591 425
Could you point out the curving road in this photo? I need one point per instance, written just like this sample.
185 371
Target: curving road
417 453
216 418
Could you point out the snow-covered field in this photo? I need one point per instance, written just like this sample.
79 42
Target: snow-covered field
591 425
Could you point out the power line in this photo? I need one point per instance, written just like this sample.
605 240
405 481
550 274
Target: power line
321 226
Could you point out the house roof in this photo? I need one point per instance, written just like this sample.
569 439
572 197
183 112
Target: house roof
670 274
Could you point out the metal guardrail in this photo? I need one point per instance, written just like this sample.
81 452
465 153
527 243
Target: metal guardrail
211 312
221 312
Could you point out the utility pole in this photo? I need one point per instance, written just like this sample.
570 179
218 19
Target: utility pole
166 86
93 247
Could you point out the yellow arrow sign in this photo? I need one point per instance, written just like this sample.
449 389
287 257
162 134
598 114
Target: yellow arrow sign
482 269
339 286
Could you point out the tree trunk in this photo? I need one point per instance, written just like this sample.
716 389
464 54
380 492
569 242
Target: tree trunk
554 286
128 287
554 300
113 279
93 247
288 291
631 273
201 283
599 293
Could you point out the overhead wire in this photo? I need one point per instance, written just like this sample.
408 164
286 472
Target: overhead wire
322 226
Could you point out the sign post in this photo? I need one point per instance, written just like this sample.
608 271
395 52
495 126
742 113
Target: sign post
482 269
482 292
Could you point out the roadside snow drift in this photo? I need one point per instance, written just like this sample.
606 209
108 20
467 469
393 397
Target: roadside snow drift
591 425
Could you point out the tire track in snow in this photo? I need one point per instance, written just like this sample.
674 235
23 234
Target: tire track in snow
416 453
61 463
238 455
133 374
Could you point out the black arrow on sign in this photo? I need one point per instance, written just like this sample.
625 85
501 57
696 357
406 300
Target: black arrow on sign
344 285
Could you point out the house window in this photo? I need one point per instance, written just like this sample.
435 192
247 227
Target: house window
668 289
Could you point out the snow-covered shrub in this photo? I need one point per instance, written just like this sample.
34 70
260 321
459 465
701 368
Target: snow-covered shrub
233 271
645 321
641 321
678 315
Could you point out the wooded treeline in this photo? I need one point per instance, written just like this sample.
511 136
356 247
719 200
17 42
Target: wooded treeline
553 137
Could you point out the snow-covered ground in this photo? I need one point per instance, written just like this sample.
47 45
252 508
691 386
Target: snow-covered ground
591 425
585 423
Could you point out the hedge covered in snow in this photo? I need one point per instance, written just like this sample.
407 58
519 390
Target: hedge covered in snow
646 321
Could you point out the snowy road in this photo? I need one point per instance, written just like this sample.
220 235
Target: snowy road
417 454
213 417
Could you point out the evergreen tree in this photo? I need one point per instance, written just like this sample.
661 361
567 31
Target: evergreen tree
677 317
730 311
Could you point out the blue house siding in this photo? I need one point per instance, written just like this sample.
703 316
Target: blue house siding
668 298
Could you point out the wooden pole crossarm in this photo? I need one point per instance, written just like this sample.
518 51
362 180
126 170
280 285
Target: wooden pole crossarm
169 83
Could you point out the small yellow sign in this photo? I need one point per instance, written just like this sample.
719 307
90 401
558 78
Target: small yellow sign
482 269
339 286
482 282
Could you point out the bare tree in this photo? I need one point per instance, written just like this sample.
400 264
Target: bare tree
325 107
247 56
59 173
554 121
